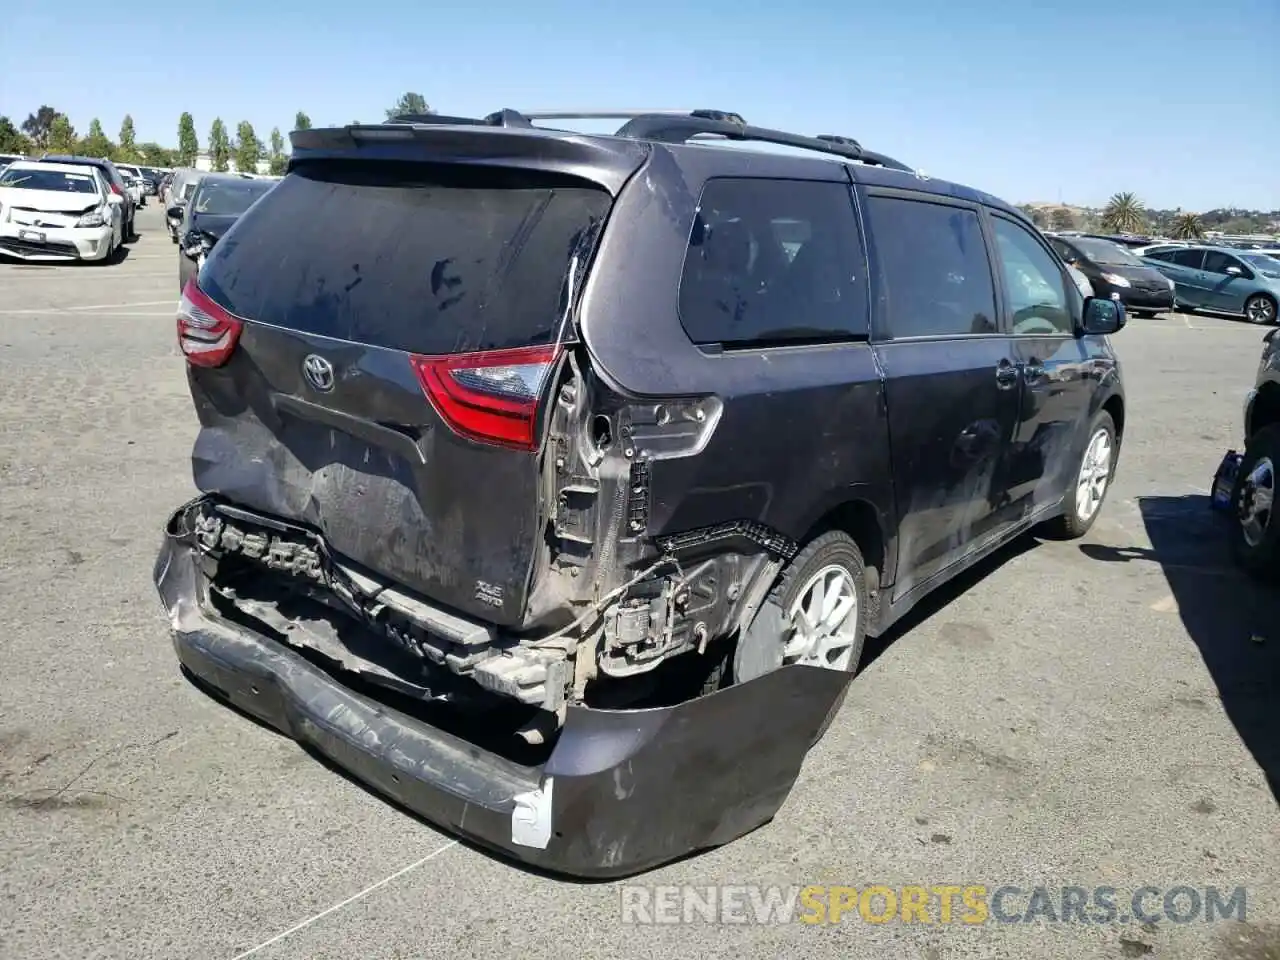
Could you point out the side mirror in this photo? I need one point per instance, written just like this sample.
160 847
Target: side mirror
1235 271
1103 316
174 213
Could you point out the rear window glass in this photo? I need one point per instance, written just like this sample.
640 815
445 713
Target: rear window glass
24 178
230 199
416 257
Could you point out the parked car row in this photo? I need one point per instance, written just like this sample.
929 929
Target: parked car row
1177 275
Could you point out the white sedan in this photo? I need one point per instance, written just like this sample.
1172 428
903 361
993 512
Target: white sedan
58 211
133 182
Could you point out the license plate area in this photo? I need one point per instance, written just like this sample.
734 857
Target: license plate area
33 236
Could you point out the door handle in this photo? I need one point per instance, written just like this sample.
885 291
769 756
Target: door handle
1006 374
1033 371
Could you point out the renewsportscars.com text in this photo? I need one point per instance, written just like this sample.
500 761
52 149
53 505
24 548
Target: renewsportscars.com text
966 904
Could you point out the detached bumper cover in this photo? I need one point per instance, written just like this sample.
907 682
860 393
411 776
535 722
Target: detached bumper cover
623 790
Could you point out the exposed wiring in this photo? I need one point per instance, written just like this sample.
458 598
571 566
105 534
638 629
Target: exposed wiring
608 598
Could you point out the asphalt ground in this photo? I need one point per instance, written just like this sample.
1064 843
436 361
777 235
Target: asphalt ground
1072 714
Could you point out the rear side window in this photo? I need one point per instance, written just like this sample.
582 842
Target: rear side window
424 258
935 268
1189 258
773 262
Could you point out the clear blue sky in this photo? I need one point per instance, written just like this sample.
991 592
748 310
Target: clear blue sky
1176 100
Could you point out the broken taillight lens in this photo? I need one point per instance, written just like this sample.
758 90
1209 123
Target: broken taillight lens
491 397
207 334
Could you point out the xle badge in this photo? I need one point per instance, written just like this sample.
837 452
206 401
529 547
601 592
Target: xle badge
488 593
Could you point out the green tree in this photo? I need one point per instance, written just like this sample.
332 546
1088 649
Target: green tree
1035 214
61 137
277 156
219 146
248 148
1124 213
128 149
301 121
1187 226
188 145
409 103
95 143
38 125
1062 219
12 139
154 155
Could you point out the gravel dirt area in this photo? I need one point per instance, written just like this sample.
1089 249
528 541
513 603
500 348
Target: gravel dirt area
1093 713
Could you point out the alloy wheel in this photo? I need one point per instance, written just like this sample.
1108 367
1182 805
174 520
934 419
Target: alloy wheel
1095 472
823 621
1257 496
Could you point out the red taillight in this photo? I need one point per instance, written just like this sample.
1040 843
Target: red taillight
116 190
491 397
207 334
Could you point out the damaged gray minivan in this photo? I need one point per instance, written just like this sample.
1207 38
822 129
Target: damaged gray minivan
538 470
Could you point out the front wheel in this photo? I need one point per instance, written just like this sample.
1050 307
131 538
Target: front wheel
1083 500
1255 537
1260 309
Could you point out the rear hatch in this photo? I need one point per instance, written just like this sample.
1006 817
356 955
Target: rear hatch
371 347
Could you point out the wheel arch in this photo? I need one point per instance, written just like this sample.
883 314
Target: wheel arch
1265 409
1114 405
855 513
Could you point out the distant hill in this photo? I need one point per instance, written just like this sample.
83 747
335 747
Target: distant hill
1066 216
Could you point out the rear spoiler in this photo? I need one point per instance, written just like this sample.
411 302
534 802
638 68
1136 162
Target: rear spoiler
607 161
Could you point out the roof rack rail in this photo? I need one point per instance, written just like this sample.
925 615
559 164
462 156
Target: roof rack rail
682 128
628 114
500 118
672 126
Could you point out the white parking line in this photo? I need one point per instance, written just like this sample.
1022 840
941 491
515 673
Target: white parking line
171 302
138 303
47 273
351 899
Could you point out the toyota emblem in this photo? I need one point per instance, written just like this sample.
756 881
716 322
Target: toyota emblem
319 372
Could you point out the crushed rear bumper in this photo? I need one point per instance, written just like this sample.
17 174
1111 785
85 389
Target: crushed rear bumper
622 791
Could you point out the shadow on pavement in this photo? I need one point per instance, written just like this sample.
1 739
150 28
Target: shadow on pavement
937 600
1234 621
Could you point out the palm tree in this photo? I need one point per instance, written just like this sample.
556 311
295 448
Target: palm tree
1187 226
1124 213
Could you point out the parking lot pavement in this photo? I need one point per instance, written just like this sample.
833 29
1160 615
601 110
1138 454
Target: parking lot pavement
1075 714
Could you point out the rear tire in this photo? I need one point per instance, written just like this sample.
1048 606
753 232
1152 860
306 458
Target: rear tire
819 608
1088 491
1255 534
1260 309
